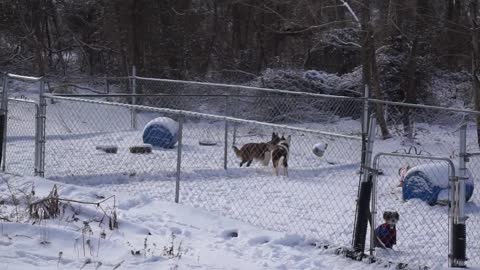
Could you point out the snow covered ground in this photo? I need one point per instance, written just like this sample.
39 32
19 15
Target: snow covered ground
315 204
201 240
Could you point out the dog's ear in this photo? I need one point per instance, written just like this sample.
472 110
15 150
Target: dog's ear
396 215
386 215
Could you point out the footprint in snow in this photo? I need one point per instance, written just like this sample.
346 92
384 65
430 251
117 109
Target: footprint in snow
228 234
176 230
259 240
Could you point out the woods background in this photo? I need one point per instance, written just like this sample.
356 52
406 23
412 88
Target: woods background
411 50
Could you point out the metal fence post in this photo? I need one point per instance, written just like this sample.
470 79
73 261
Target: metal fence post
41 125
373 206
134 98
3 121
459 232
234 131
107 87
179 157
364 196
225 150
38 127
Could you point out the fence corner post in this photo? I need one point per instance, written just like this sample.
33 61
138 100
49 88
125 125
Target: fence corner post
457 256
179 157
364 196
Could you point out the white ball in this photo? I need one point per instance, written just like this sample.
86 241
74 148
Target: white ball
319 149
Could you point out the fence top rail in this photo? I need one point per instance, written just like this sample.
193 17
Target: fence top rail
422 106
204 115
277 91
377 157
377 101
24 78
271 90
89 78
174 95
20 100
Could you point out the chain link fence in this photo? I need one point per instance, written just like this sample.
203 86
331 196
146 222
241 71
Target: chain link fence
472 209
88 85
20 138
208 169
318 197
405 186
259 104
21 131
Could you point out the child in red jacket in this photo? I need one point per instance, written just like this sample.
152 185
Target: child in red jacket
386 234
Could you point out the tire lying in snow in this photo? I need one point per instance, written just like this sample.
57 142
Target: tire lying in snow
161 132
429 183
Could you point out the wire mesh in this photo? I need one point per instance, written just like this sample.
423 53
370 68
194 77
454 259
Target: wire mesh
412 123
89 85
418 190
20 147
317 198
306 202
472 207
21 125
76 129
252 104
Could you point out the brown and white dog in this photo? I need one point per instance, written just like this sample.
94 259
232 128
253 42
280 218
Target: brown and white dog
280 153
257 151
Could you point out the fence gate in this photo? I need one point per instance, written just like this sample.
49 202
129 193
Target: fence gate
421 197
472 210
20 137
19 125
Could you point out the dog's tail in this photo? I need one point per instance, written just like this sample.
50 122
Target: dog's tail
237 151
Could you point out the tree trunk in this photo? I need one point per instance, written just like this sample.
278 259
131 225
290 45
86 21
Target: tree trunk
475 63
410 94
370 73
376 88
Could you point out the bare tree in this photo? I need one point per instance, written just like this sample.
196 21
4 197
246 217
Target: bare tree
475 62
369 64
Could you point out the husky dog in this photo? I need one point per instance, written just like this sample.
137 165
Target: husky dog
280 152
257 151
386 234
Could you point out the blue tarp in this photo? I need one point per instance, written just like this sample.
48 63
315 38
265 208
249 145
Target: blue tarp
421 183
159 135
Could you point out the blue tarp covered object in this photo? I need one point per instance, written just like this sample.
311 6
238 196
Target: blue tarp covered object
429 183
161 132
